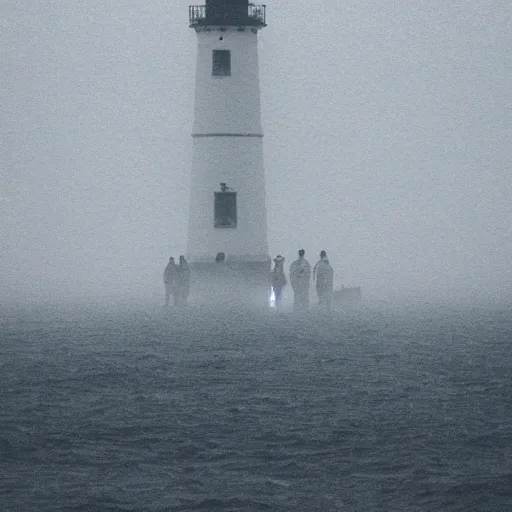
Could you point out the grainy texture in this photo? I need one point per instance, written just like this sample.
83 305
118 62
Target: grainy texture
140 409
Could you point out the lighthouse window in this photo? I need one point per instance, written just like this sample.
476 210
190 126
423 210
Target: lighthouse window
221 63
225 210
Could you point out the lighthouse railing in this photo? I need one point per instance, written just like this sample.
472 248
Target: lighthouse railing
199 15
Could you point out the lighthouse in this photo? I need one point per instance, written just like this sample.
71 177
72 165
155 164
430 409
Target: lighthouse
227 214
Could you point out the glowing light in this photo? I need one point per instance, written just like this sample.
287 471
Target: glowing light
272 299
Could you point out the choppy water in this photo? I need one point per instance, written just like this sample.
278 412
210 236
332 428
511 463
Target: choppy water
140 410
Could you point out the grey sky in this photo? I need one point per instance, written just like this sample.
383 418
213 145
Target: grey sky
388 142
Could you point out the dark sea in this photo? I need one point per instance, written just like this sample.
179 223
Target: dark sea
369 408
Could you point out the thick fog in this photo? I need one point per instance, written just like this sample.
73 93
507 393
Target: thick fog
388 142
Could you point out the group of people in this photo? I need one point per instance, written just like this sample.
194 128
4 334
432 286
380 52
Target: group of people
300 276
177 281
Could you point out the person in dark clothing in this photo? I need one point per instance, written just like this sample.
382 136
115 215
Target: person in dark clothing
300 272
323 277
278 279
170 280
182 282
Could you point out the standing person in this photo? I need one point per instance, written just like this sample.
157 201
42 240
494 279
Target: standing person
170 280
221 287
323 256
182 281
278 279
323 276
300 271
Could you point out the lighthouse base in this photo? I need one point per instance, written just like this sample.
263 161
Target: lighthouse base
230 284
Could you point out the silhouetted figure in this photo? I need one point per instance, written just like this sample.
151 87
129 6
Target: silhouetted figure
227 287
170 280
300 272
323 278
182 282
278 279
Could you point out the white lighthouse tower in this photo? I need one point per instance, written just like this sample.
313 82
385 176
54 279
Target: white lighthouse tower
227 215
